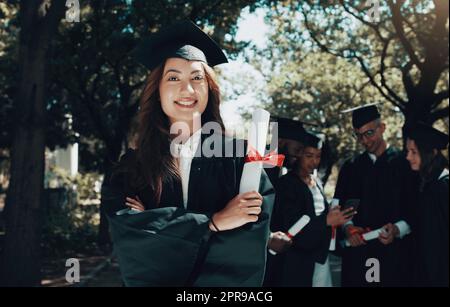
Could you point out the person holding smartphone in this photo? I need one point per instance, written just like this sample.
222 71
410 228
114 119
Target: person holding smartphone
300 192
381 179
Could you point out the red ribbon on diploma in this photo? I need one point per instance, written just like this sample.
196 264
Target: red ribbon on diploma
352 230
271 158
290 236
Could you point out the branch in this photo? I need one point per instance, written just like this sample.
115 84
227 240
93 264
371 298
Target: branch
374 26
374 83
439 97
316 40
359 90
95 114
442 95
437 41
407 81
397 20
395 99
87 99
441 9
382 69
420 36
438 114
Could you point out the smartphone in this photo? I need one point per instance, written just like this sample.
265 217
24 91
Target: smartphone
351 203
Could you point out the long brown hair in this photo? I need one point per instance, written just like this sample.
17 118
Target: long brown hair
155 164
432 162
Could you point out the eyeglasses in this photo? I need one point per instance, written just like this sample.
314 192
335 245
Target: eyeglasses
366 134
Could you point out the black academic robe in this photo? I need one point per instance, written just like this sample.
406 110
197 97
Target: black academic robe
273 264
293 200
385 192
168 245
274 174
431 232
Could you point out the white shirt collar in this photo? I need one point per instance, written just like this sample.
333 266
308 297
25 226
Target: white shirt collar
186 153
373 157
189 148
443 174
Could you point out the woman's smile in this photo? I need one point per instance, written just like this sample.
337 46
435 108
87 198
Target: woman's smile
188 103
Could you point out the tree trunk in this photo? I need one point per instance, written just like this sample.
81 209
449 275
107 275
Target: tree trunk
20 264
418 109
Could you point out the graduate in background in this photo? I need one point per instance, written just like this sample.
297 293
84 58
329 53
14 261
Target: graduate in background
290 136
289 143
380 178
300 192
431 229
184 223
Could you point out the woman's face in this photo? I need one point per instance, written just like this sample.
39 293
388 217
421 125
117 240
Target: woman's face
291 149
413 155
183 89
310 159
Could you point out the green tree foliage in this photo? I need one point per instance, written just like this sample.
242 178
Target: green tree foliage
326 56
317 89
70 214
403 51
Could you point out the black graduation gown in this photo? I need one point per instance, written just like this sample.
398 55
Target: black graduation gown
274 174
274 262
431 231
384 189
293 200
173 246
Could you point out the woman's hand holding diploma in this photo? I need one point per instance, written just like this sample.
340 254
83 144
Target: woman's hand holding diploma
242 209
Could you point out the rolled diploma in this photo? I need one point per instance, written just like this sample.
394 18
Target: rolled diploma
257 137
298 226
295 229
334 203
371 235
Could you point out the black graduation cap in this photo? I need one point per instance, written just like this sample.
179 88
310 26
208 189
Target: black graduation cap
313 139
290 129
429 136
363 114
180 40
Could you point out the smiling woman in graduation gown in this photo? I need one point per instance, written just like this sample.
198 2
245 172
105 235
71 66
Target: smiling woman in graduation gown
191 227
169 245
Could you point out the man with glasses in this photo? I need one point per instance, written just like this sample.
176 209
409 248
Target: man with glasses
380 181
